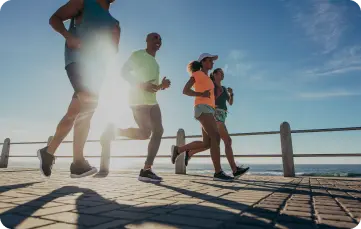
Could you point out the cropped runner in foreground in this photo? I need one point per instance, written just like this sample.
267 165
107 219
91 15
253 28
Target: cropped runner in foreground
222 96
142 72
204 109
91 43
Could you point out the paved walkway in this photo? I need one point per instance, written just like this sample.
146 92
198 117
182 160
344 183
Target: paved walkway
120 201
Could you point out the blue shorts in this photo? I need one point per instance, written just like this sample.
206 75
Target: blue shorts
202 109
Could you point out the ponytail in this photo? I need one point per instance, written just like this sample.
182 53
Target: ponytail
194 66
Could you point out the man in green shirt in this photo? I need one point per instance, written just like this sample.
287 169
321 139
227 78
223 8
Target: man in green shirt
142 72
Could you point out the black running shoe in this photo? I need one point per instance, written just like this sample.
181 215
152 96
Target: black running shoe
81 169
46 161
149 176
221 176
240 172
187 158
174 153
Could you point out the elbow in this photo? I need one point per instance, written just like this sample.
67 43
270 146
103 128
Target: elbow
185 91
52 20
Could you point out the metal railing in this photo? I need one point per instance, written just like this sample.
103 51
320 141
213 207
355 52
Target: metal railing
285 133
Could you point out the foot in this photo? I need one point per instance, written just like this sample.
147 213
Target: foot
240 172
148 176
174 154
221 176
46 161
81 169
187 158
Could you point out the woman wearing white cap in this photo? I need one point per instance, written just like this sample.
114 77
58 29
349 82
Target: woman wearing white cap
204 109
222 96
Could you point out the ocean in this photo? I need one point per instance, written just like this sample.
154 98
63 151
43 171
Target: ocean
202 166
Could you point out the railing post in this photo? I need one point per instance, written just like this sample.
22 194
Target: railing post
287 150
50 138
5 154
180 167
105 142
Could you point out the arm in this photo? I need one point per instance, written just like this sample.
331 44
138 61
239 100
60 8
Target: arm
230 99
116 36
66 12
127 72
188 88
230 96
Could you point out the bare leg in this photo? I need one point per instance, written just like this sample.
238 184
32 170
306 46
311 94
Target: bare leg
135 133
227 144
88 105
195 145
65 125
210 127
195 151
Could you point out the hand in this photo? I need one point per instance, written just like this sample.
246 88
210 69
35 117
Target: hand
149 87
206 94
73 42
165 83
230 90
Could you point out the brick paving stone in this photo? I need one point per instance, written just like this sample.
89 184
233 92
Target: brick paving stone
154 225
288 225
98 209
299 208
49 211
201 214
342 218
259 201
127 215
186 220
328 208
297 213
74 218
231 225
59 226
330 212
119 223
11 221
336 224
42 204
6 205
145 207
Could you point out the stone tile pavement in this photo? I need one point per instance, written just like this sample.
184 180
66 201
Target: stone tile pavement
119 200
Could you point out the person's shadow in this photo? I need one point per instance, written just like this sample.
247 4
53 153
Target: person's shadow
92 209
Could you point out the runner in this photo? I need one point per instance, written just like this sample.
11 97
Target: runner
142 72
204 112
85 62
222 95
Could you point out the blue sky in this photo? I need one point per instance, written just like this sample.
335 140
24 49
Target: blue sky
295 61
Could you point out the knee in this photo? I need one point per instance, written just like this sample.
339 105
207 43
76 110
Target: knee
71 114
207 144
228 142
158 131
87 109
215 136
145 134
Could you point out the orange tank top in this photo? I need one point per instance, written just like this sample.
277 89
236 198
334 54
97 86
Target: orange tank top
203 83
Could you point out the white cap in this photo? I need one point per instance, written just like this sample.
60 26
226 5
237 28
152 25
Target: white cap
207 55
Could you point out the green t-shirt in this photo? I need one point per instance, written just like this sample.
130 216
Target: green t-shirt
141 67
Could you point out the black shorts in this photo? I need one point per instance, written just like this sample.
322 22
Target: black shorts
82 82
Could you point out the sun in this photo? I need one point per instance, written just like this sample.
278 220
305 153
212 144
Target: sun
113 106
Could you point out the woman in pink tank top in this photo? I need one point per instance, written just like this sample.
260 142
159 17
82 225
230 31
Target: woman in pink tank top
204 108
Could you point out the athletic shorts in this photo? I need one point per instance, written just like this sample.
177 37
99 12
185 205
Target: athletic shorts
83 82
220 115
202 109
